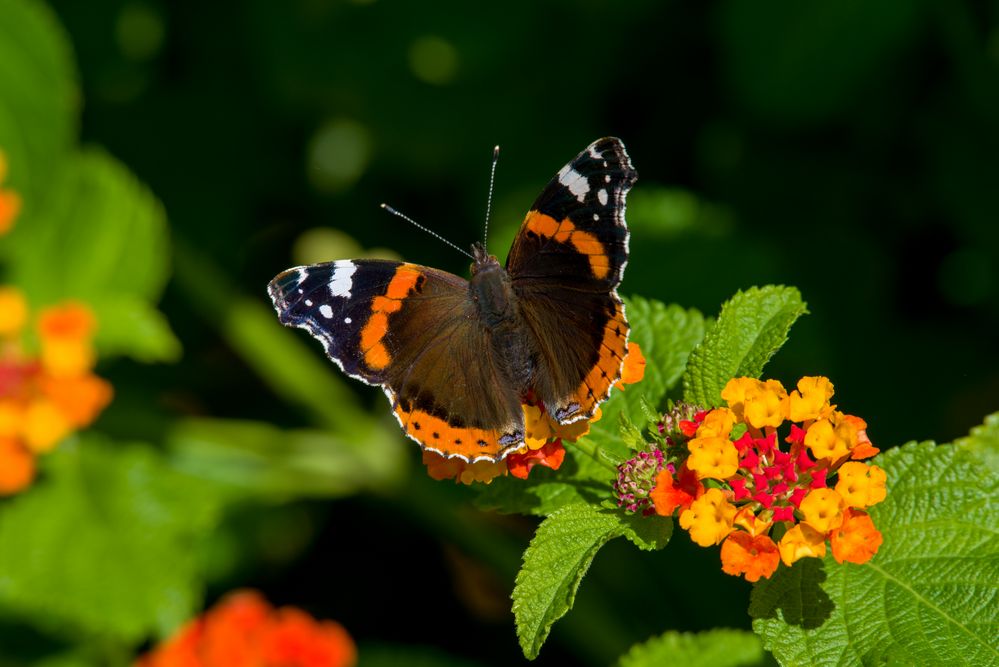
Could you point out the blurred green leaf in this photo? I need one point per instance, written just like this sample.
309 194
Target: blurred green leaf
715 648
40 100
101 237
554 565
928 595
787 59
752 326
667 213
262 460
103 544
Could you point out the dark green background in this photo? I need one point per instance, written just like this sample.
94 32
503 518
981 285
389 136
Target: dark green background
848 148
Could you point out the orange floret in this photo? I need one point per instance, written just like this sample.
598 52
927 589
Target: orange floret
823 509
800 542
670 493
709 518
861 485
856 540
753 557
811 399
634 366
713 457
17 467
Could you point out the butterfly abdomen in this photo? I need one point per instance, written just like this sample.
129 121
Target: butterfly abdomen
492 292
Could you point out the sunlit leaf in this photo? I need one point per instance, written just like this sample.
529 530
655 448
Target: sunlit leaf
928 596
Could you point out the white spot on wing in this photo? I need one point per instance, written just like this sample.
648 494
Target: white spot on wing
343 279
602 196
308 302
326 310
596 217
347 320
607 178
594 153
576 182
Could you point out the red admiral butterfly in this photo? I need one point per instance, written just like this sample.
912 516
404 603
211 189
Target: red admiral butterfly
457 358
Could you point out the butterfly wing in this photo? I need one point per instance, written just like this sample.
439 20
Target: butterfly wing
413 331
565 265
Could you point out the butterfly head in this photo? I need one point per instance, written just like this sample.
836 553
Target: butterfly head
483 260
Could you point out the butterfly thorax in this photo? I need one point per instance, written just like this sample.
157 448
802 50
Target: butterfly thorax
492 292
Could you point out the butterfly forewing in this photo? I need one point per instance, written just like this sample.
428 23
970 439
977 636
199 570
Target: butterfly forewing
412 330
566 263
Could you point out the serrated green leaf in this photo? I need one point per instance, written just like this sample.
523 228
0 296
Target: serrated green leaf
751 327
928 595
630 434
648 533
103 544
40 100
554 565
102 238
715 648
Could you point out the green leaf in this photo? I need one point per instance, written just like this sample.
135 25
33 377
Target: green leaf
928 595
648 533
752 326
103 545
261 460
715 648
554 565
40 100
579 480
102 238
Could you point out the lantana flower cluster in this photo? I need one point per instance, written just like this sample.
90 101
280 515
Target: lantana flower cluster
543 438
767 498
244 630
48 392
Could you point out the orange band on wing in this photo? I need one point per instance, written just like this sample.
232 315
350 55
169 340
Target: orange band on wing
376 355
584 242
613 348
436 434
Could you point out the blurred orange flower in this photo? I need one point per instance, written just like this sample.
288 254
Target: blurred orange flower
10 201
47 395
244 630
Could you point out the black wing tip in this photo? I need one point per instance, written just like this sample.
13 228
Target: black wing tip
616 146
282 292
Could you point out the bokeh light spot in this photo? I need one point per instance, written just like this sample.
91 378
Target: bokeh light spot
433 60
338 153
140 31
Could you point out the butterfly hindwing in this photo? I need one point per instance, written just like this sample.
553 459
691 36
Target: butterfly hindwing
412 330
565 264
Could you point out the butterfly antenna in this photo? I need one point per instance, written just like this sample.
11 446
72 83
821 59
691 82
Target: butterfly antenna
489 201
428 231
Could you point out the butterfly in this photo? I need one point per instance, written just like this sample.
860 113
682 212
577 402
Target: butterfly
458 358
